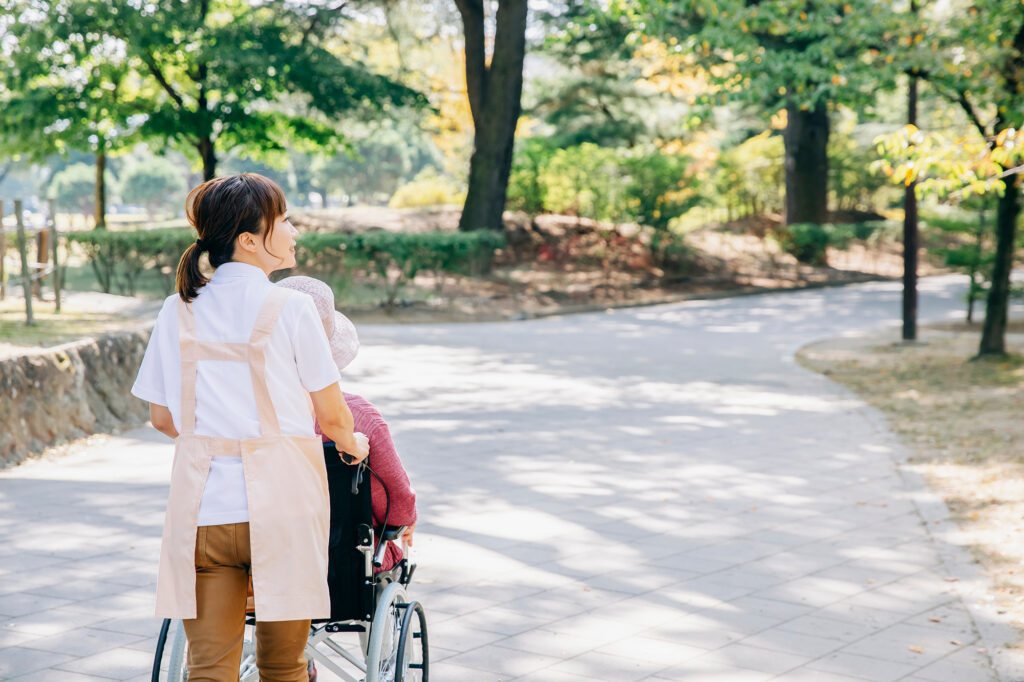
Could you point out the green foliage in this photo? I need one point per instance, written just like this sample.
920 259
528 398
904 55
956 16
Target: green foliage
641 185
427 189
74 188
748 178
809 243
392 259
209 76
155 182
853 180
118 258
585 181
785 53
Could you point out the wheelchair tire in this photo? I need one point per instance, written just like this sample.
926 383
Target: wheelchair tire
413 668
177 671
385 630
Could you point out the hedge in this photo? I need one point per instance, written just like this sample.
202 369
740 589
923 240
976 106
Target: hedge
118 258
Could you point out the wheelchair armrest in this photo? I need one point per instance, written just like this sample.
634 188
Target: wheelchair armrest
390 534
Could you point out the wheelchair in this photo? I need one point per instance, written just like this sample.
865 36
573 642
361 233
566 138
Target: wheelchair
387 630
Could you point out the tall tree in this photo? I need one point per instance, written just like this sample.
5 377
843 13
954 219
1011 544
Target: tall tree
799 56
910 231
495 89
974 57
64 89
255 79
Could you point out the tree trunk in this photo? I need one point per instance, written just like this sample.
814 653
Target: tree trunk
100 210
910 236
993 334
495 93
209 156
806 141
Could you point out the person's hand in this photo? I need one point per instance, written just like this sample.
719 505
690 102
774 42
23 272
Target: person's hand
407 534
361 450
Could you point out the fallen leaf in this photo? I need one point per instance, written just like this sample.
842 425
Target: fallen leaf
935 620
916 649
955 643
951 579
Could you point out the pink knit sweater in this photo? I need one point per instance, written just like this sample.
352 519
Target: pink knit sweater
384 460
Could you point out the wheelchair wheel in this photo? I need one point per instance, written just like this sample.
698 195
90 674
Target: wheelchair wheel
392 652
413 649
177 668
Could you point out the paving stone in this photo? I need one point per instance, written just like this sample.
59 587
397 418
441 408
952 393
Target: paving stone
15 660
864 667
82 642
121 664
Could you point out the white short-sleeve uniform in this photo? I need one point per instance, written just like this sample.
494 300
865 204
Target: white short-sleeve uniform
298 361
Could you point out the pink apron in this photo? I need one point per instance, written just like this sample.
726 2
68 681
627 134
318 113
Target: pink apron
285 481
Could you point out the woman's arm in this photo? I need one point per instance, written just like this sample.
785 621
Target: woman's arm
162 421
335 421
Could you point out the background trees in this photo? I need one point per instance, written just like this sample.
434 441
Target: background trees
771 117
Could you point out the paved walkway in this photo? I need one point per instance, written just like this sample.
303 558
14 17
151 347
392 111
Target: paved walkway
649 494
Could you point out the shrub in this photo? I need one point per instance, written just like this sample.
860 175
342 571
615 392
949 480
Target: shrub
392 258
395 258
807 242
118 258
154 183
641 185
427 189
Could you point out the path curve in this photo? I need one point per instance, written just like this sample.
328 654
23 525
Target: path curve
645 494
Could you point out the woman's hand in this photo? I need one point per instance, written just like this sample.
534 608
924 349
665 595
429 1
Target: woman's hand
335 421
361 450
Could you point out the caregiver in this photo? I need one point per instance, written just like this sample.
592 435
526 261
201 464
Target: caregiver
226 374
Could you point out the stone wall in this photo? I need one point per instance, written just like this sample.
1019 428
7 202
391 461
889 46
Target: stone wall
58 394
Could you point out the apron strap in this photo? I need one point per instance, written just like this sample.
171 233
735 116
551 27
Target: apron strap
253 352
265 322
189 347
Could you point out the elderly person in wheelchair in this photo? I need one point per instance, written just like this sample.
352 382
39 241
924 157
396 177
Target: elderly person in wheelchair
373 516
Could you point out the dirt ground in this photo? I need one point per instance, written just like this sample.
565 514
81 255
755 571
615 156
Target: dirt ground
722 263
962 418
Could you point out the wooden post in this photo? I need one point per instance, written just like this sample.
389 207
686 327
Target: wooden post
42 258
58 279
26 273
3 252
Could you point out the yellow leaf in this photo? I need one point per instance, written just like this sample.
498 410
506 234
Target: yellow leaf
803 16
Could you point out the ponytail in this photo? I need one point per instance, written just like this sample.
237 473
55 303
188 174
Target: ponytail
190 278
221 209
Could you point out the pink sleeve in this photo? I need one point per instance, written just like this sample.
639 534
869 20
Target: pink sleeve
385 461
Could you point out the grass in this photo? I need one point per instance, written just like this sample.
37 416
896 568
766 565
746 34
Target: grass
51 328
962 419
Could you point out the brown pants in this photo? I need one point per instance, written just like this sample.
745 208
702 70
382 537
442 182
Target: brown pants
215 637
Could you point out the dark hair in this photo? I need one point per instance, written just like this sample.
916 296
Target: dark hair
220 210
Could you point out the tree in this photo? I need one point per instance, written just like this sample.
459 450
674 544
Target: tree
976 61
495 92
801 57
155 182
74 188
257 80
65 89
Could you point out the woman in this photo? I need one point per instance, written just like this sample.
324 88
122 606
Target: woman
226 373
